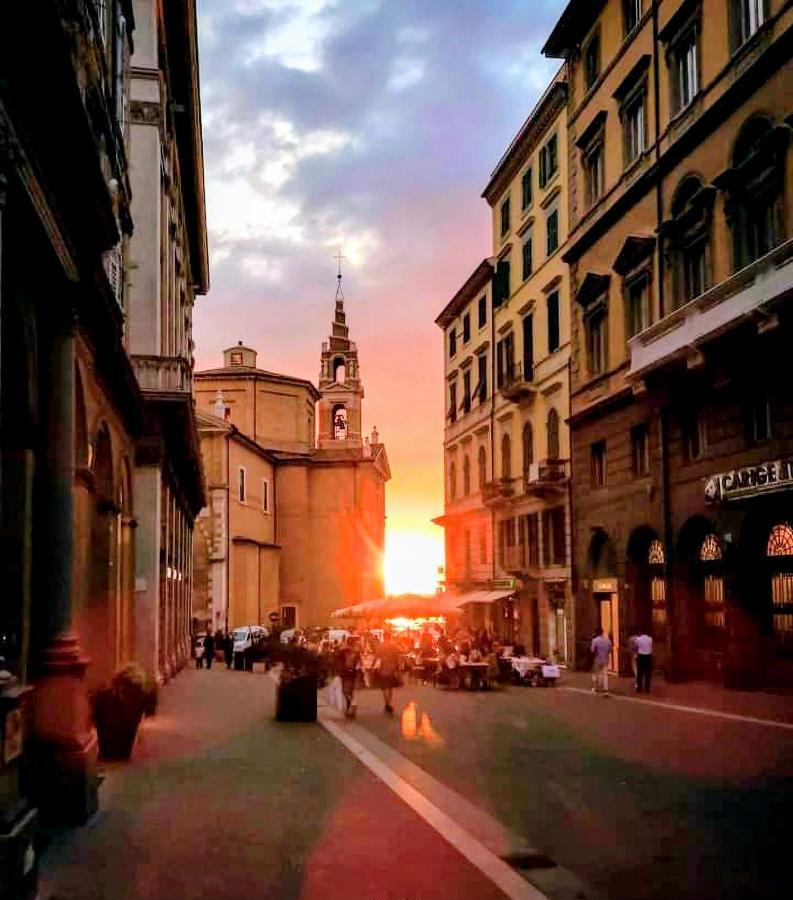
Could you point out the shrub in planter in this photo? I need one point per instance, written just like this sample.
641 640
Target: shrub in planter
118 709
296 695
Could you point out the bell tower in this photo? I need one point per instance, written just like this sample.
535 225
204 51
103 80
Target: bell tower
339 383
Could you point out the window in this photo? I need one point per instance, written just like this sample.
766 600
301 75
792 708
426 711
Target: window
780 556
747 16
552 431
266 495
688 236
505 361
236 358
466 476
528 449
640 450
598 464
533 539
631 14
553 322
481 385
506 458
526 190
634 128
593 172
340 422
466 328
637 294
694 436
548 161
466 404
759 419
553 535
527 261
501 285
684 71
528 348
481 462
552 232
242 486
483 546
595 326
482 311
452 481
453 402
505 217
710 554
452 342
288 617
592 61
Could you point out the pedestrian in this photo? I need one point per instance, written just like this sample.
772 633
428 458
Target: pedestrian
601 651
198 653
228 649
348 662
209 648
644 662
632 648
387 670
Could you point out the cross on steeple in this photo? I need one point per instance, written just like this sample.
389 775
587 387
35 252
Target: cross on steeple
339 292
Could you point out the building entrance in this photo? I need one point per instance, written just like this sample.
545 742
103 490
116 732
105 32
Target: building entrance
609 618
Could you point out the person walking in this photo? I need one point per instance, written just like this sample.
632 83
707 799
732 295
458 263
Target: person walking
198 653
387 670
348 661
209 648
228 649
644 663
601 651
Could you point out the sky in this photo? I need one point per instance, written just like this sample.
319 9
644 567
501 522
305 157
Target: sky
370 126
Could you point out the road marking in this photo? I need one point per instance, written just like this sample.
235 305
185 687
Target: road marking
699 710
493 868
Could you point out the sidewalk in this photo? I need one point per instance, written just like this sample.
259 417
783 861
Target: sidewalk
220 801
698 694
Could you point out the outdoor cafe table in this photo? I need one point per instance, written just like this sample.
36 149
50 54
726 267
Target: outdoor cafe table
474 673
525 664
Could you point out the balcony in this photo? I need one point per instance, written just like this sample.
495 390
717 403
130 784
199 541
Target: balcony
163 374
546 477
515 560
496 492
518 386
746 295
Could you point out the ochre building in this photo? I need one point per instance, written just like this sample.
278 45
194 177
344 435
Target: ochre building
681 266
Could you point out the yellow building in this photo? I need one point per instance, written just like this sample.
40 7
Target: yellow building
320 544
680 259
507 356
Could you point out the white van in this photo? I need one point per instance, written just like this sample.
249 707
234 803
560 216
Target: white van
243 637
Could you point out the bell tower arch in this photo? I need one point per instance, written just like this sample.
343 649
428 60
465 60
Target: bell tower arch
339 383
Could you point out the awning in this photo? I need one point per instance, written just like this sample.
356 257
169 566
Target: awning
417 605
480 597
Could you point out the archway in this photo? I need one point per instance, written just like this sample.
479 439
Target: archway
339 370
646 573
340 424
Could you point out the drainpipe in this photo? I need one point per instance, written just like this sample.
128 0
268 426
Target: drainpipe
571 648
659 200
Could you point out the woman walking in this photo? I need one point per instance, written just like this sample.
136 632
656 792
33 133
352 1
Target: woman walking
348 661
387 670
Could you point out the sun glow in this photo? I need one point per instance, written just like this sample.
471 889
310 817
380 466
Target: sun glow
411 561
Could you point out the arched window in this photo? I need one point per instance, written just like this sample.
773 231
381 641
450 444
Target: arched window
553 434
710 554
452 481
506 458
780 553
755 186
528 448
688 239
656 559
466 476
339 370
655 555
482 466
340 422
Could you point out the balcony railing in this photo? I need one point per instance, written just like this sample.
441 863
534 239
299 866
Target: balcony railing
518 385
741 297
544 476
164 374
497 491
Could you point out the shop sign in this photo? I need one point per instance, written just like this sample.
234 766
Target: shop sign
604 586
750 480
503 584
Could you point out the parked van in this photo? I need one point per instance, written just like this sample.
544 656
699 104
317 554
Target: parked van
243 638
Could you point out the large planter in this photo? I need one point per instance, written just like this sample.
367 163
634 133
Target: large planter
117 725
296 699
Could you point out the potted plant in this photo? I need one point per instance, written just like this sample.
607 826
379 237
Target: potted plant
296 694
118 708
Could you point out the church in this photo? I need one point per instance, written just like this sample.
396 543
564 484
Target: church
295 521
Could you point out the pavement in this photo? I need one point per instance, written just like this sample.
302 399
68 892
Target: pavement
685 794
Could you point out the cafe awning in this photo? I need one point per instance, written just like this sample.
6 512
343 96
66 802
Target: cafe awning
480 597
417 605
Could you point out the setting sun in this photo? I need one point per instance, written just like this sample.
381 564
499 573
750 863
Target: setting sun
411 561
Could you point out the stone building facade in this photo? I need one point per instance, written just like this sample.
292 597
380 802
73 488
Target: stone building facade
680 259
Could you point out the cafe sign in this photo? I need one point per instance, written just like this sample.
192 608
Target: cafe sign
750 480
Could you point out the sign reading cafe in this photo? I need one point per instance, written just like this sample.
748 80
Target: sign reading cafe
750 480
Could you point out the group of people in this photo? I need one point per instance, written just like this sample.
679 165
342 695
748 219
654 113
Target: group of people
383 669
212 642
640 645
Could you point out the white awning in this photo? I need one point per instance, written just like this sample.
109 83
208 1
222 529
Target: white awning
479 597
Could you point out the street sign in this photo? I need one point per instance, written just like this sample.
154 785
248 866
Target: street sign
274 616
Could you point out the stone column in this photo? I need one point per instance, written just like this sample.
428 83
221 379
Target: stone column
64 741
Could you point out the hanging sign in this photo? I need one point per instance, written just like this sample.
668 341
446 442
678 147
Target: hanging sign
750 480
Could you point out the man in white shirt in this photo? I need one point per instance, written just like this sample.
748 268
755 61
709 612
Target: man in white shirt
644 662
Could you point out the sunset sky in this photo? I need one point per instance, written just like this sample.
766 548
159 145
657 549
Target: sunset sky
370 125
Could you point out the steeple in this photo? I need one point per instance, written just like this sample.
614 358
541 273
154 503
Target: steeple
339 382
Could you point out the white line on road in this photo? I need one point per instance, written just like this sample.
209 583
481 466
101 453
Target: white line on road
504 877
715 713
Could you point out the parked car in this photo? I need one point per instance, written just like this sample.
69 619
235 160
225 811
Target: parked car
287 635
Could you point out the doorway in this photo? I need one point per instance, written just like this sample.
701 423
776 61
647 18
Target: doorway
609 619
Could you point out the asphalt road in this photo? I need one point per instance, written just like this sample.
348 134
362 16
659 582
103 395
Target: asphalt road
639 800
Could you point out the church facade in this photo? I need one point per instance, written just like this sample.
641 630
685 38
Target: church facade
295 523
